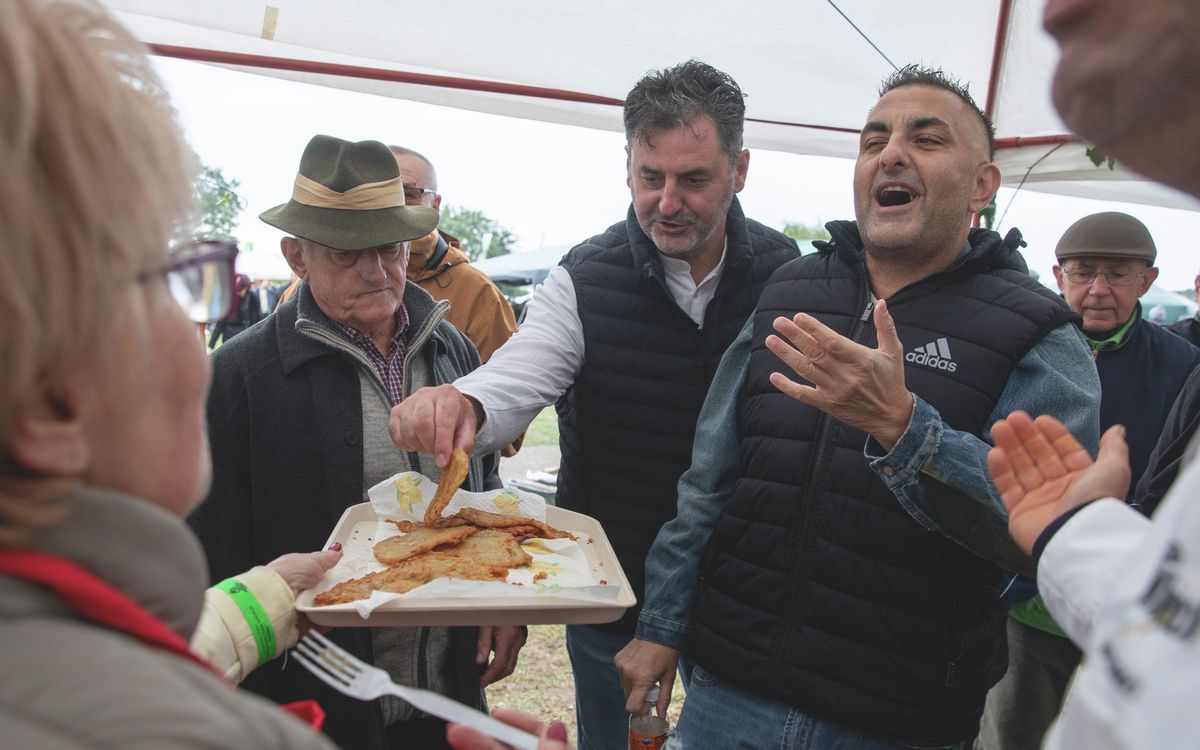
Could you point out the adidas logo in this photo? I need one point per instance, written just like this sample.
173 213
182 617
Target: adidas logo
935 354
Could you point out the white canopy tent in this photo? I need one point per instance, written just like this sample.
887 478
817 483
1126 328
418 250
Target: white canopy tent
811 68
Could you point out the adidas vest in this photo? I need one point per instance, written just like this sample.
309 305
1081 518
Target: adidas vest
817 588
627 423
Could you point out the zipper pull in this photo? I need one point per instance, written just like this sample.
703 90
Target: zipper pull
867 312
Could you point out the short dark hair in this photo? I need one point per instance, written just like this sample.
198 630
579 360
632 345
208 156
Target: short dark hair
677 96
915 75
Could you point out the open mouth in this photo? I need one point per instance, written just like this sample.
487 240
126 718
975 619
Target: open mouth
894 196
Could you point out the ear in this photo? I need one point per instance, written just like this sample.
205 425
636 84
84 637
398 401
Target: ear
987 182
437 201
628 167
1148 277
740 167
47 434
1058 276
293 253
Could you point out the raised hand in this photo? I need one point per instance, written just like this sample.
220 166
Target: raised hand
860 386
1041 472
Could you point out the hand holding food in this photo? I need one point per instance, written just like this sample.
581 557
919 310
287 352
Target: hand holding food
452 478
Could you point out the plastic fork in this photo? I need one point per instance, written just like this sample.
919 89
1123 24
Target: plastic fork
351 676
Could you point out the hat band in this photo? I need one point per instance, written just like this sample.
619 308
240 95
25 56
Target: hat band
366 197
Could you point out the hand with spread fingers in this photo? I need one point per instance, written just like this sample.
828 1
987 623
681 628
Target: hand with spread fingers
1041 472
860 386
435 420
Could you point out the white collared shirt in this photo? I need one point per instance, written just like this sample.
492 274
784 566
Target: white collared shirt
541 360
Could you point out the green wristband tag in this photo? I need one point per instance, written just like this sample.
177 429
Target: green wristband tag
256 617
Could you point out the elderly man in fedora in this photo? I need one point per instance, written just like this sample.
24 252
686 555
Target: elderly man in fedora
298 419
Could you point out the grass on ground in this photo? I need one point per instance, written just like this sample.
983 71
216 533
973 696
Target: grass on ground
543 684
543 430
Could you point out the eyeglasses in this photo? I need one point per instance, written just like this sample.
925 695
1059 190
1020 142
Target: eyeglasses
1114 276
200 278
413 194
347 258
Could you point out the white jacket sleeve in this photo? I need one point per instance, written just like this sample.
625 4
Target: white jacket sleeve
1082 562
223 636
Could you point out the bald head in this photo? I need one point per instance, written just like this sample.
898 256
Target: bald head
419 177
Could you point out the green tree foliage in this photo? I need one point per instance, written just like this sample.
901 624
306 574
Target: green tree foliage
482 237
805 231
219 203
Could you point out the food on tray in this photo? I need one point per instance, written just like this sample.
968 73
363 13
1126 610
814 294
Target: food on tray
420 539
517 526
488 547
471 544
470 553
452 478
408 575
496 521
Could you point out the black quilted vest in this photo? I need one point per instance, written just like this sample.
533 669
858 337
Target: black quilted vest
817 588
627 423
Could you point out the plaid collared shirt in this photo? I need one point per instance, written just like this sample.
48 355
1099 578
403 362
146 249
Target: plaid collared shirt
390 366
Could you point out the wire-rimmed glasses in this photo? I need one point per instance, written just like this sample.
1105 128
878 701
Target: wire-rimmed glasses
1116 276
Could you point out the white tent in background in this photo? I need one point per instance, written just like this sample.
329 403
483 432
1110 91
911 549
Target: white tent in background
810 67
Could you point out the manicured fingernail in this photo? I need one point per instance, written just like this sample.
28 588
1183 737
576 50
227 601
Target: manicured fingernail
557 731
336 547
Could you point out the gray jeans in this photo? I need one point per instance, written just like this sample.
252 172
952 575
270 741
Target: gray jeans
1021 707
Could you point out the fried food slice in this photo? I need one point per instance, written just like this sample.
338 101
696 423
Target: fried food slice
397 579
496 521
452 478
463 567
407 526
490 547
420 539
409 574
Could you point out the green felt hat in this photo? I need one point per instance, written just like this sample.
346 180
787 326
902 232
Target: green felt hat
348 196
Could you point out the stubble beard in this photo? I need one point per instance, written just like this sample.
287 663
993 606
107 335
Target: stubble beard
702 232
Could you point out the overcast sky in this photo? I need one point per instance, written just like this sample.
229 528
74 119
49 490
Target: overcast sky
552 185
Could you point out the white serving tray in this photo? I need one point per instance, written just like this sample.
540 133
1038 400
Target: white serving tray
509 609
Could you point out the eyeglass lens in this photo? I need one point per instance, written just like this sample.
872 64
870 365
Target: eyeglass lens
201 281
202 291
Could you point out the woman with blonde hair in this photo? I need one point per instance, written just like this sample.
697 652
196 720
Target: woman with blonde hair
102 426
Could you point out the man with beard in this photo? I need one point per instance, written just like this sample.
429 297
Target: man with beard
834 569
1122 586
625 336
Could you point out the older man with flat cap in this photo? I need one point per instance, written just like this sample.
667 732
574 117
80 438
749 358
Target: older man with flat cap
1106 264
298 420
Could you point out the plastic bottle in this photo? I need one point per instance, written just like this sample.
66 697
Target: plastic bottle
646 730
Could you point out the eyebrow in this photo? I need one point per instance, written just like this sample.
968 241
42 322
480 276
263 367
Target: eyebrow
921 123
929 122
694 172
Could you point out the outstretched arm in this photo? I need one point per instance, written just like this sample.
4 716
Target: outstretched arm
1042 472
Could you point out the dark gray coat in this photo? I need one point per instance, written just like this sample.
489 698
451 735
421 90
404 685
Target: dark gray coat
286 425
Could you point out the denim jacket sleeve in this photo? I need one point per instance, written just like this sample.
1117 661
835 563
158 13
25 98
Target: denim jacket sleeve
940 475
673 564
